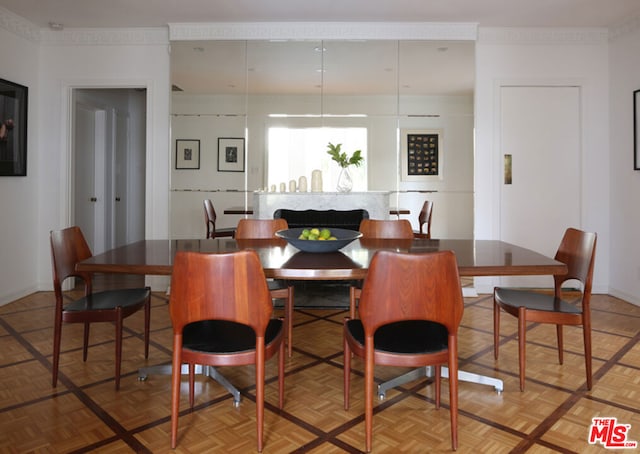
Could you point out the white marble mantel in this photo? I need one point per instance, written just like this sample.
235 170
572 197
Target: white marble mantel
375 202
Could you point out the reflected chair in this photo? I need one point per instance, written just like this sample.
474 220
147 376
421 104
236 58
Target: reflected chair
410 311
68 247
265 229
220 310
210 220
577 250
378 229
424 220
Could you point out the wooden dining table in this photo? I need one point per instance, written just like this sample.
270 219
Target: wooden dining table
281 260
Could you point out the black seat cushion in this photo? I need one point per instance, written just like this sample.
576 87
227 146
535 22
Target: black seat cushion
220 336
534 301
109 299
342 219
411 336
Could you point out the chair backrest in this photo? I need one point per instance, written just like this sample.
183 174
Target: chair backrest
386 229
68 247
210 218
578 251
424 218
409 286
230 286
259 229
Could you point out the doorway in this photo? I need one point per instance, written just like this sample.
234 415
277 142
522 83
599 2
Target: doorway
108 149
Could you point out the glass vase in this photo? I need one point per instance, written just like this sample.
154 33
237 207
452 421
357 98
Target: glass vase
345 183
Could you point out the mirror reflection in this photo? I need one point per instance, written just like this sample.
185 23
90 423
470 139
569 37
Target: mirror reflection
407 105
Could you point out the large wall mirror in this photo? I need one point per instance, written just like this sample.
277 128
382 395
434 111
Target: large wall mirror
253 115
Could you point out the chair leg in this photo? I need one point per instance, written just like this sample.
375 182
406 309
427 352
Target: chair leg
438 380
85 341
289 319
175 388
119 324
260 393
281 354
368 396
453 391
496 328
354 296
560 338
192 384
586 334
57 336
522 339
346 372
147 325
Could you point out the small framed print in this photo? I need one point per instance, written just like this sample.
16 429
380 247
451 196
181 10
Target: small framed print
230 154
421 155
187 154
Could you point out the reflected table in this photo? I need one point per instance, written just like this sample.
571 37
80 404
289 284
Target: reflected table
280 260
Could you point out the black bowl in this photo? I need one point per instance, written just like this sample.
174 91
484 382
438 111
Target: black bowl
343 236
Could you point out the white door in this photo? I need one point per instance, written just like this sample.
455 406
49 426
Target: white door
540 132
89 205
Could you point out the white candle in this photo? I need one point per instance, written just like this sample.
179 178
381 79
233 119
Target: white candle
316 181
283 187
302 184
292 186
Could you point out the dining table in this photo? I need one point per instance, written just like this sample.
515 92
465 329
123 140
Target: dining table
281 260
393 211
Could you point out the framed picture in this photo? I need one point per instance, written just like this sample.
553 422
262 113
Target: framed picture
636 130
13 129
230 154
187 154
421 155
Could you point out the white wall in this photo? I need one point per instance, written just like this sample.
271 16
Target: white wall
545 57
19 198
625 182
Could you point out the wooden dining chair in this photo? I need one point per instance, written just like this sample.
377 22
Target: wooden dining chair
577 250
220 310
378 229
68 247
410 311
210 218
265 229
424 220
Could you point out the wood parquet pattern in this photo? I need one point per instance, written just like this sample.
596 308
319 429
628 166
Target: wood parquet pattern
85 413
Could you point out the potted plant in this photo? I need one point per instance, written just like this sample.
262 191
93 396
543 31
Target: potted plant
345 183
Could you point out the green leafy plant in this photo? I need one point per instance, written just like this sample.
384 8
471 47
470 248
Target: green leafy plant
341 157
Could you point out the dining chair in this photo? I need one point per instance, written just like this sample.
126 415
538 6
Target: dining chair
424 219
378 229
68 247
577 250
265 229
410 311
210 218
220 310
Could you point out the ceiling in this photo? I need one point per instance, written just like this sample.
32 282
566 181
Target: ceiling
487 13
199 66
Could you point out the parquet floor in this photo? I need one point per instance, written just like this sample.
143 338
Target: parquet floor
85 413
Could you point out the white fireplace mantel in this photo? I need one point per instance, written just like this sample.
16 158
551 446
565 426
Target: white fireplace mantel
375 202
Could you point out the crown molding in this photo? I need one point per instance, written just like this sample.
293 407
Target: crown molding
106 36
19 26
508 35
630 25
322 30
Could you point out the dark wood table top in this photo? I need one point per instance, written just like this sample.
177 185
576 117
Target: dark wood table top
283 261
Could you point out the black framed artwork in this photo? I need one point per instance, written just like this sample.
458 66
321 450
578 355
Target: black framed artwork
421 154
230 154
187 154
13 129
636 130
